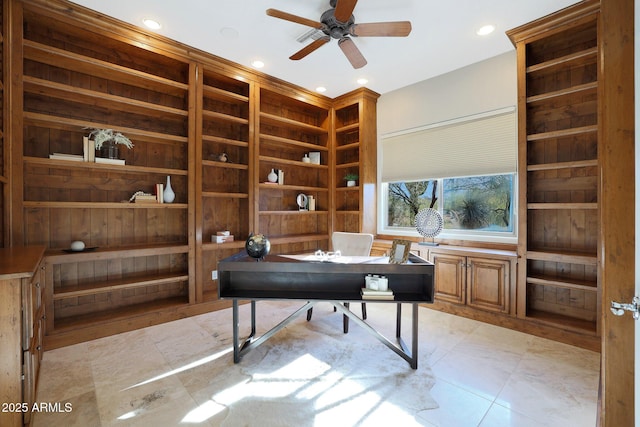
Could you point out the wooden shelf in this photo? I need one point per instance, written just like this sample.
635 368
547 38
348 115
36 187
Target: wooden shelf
293 142
72 323
226 117
116 285
563 133
293 212
224 95
287 187
582 285
102 205
585 88
224 195
351 146
563 165
58 256
101 99
94 67
583 57
567 322
63 123
561 205
102 166
562 256
348 128
283 121
277 160
226 165
237 143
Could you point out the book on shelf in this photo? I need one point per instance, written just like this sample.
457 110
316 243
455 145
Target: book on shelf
88 149
280 177
372 294
109 161
314 157
146 198
70 157
160 193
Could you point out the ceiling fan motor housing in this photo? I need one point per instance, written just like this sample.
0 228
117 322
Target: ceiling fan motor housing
334 28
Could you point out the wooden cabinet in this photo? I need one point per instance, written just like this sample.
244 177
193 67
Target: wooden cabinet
288 129
479 278
355 153
558 84
22 314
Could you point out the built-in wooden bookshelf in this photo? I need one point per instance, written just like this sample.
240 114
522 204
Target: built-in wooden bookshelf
215 128
288 129
355 153
558 81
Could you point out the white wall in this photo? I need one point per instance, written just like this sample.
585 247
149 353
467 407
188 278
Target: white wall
485 86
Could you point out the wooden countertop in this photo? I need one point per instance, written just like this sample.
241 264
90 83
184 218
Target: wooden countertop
19 262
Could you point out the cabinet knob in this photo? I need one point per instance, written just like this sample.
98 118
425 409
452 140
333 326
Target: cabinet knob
37 284
39 347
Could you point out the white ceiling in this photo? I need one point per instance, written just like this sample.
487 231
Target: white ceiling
443 36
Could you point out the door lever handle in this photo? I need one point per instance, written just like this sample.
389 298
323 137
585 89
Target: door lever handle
619 308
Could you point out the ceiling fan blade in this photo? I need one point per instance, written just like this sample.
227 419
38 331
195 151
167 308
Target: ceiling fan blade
294 18
344 9
309 48
382 29
352 52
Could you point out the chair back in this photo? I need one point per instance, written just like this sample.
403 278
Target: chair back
352 244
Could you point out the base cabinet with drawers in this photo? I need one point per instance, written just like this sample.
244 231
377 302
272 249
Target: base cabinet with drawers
21 330
479 278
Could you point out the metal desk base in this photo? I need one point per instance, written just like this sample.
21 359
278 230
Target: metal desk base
400 349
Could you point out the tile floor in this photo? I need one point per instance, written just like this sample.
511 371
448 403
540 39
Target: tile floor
485 376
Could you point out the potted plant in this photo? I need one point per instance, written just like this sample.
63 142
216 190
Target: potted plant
351 179
107 141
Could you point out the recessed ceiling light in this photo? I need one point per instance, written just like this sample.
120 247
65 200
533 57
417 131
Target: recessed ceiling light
362 81
257 63
485 29
152 24
321 89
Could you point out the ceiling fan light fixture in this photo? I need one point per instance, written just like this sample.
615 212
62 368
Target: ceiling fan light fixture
257 64
362 81
321 89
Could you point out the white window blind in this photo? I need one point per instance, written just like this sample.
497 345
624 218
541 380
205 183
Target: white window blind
481 145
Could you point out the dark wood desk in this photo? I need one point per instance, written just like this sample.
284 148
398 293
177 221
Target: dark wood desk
285 277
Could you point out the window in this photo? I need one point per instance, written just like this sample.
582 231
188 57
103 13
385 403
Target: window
465 168
476 205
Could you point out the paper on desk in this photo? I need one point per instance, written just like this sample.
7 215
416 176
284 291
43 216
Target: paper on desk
340 259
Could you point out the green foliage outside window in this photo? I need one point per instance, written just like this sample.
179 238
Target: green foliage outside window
482 203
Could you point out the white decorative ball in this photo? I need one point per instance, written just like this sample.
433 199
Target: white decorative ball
78 245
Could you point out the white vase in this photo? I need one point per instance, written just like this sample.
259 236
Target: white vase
168 196
273 176
351 183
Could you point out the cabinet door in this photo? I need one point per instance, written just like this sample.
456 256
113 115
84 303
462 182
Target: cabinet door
449 277
488 284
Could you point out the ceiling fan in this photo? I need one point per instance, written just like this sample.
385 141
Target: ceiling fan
339 23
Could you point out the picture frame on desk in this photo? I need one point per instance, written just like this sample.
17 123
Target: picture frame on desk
400 250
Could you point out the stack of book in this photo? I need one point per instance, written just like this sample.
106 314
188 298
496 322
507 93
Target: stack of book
373 294
146 198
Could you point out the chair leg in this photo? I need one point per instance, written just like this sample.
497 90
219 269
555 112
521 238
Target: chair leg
309 313
364 311
345 320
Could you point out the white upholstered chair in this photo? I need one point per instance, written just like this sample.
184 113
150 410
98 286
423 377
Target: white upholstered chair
350 244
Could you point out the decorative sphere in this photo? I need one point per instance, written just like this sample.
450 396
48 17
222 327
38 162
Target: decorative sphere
257 246
78 245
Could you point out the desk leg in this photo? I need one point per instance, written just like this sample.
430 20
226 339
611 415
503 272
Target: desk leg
400 349
236 338
398 320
